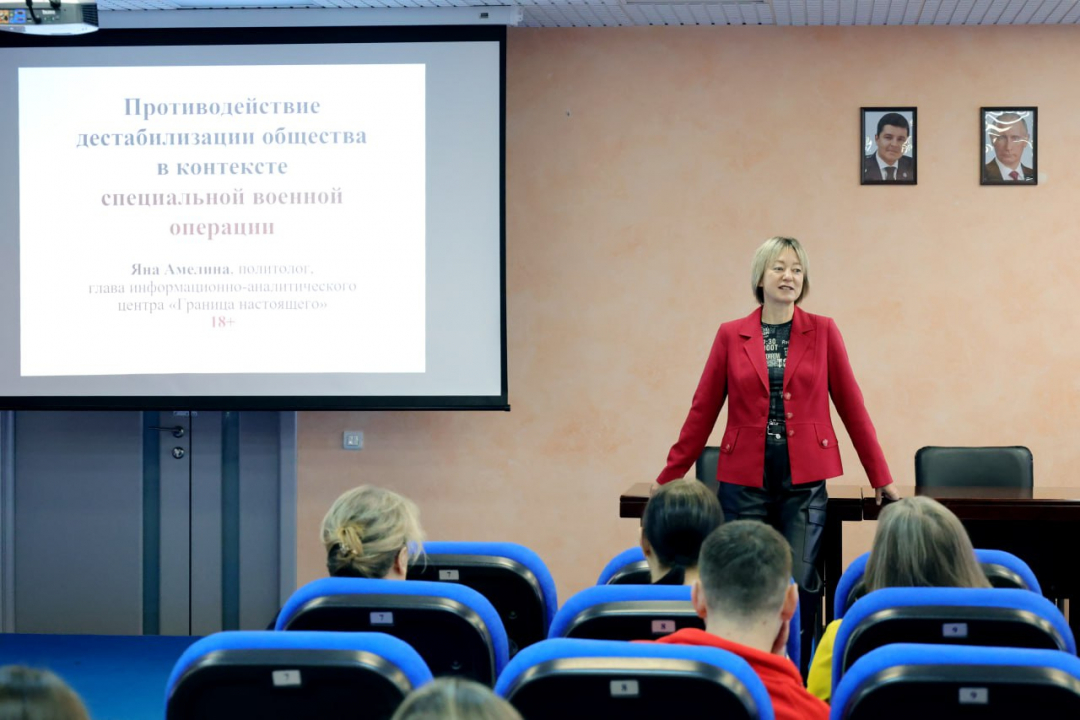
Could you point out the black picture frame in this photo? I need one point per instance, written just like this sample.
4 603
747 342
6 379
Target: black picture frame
877 134
1001 129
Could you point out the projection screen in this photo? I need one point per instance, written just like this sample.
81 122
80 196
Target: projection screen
276 218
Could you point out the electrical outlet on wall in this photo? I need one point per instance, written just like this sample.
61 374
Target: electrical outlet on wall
353 440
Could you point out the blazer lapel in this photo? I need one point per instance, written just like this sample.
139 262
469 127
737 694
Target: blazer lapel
801 342
754 345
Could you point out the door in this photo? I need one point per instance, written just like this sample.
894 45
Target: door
129 522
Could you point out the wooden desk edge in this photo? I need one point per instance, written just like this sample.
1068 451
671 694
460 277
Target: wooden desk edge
633 500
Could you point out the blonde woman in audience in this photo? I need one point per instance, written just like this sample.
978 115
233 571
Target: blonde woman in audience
919 543
370 532
678 518
452 698
29 694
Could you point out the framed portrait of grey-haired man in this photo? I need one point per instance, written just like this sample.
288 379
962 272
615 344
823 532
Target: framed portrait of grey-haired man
1009 154
887 152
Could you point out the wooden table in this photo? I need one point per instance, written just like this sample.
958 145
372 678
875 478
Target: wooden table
1041 525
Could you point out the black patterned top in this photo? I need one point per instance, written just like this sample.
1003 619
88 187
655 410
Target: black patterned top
776 346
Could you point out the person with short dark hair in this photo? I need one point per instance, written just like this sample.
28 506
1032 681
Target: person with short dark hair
677 519
30 694
889 163
454 698
745 596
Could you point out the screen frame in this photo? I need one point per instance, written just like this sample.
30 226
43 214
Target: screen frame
300 35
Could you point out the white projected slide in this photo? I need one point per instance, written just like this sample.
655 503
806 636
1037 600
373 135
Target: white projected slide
232 219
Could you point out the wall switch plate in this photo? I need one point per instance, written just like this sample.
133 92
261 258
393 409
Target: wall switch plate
353 440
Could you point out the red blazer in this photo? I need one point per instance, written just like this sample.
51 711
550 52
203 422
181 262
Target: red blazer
817 367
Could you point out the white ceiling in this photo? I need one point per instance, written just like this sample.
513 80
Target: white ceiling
613 13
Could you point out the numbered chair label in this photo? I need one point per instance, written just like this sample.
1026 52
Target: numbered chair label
663 627
382 618
286 678
954 630
451 575
974 696
624 688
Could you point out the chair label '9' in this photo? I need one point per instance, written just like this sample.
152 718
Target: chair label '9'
974 696
954 630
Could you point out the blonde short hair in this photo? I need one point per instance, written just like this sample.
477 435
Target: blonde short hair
453 698
920 543
366 528
32 694
766 255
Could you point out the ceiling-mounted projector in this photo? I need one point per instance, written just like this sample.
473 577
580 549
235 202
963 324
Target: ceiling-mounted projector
48 18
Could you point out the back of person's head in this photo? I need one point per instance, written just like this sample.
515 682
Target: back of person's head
677 520
745 569
453 698
30 694
920 543
366 530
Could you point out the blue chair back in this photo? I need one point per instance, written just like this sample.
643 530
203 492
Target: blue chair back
1002 569
902 681
631 681
949 616
627 568
290 675
625 612
454 628
512 577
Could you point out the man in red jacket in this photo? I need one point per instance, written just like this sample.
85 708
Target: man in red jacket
745 595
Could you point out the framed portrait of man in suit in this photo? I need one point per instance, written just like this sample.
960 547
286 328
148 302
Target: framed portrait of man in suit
1009 154
887 152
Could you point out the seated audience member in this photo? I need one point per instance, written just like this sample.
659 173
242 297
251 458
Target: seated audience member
452 698
370 532
745 595
28 694
677 520
918 543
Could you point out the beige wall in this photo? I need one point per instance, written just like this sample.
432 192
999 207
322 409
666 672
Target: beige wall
644 165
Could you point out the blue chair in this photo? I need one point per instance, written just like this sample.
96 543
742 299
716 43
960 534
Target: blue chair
512 577
1002 569
454 628
631 681
1005 570
627 568
949 616
625 612
899 682
291 675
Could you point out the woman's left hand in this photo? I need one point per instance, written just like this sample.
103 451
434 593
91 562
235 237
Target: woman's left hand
888 491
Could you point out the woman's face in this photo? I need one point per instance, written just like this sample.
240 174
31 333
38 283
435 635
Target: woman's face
783 279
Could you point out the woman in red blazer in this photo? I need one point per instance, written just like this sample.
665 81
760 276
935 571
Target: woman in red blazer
777 368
